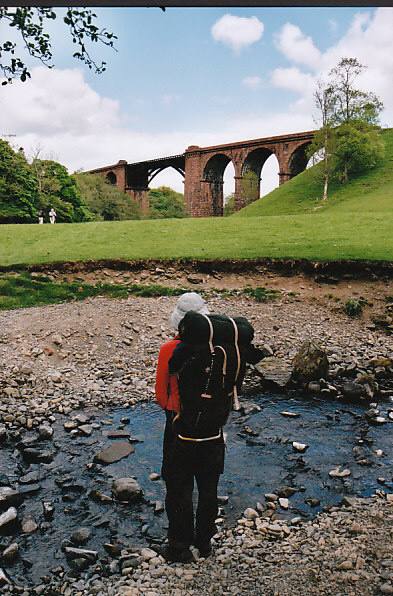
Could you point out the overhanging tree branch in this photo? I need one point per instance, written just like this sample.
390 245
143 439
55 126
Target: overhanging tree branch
30 22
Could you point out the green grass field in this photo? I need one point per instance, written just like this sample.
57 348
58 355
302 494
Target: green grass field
355 223
320 236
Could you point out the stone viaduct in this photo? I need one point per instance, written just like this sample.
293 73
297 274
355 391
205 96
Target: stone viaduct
203 170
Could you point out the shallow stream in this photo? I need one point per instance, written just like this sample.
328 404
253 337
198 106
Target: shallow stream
260 459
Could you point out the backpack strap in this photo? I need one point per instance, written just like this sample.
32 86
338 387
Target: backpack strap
238 363
210 333
224 364
211 347
201 440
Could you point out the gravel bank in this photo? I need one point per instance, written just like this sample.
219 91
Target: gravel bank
60 358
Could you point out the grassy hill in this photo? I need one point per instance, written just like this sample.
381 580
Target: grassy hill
371 192
355 223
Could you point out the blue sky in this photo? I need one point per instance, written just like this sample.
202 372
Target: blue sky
170 61
193 76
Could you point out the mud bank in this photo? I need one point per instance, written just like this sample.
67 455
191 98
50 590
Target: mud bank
326 270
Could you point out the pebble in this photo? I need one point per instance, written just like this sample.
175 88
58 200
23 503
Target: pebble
299 446
250 513
154 476
284 503
11 552
148 553
29 525
8 516
339 473
290 414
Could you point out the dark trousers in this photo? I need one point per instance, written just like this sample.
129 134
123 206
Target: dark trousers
184 462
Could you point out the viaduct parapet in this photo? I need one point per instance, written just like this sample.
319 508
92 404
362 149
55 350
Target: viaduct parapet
203 171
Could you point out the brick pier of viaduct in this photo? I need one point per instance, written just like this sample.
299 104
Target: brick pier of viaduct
203 171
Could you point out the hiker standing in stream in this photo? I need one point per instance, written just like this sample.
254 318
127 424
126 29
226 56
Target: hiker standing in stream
182 462
195 384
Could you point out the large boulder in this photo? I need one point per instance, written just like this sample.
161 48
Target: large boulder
310 363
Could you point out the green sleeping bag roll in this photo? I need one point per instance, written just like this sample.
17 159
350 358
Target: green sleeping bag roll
195 329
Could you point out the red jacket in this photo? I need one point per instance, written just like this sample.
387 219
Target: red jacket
166 390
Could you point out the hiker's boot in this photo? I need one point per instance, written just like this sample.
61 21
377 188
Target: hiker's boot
172 555
204 548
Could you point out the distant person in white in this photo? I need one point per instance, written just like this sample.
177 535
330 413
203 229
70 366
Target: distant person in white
52 216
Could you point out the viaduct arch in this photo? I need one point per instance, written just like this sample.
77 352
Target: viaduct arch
203 171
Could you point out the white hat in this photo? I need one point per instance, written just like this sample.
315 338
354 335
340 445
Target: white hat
186 302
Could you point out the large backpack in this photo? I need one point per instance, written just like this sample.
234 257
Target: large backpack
210 363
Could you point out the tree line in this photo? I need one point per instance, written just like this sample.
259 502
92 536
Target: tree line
41 184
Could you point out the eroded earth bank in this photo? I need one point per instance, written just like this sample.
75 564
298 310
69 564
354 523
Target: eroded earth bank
85 371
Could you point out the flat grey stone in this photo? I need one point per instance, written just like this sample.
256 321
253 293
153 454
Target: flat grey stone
114 453
275 371
86 429
73 553
119 434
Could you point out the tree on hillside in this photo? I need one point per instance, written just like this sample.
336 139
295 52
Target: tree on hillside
166 203
348 139
60 191
250 186
18 187
229 205
359 146
30 23
356 116
351 104
323 142
104 200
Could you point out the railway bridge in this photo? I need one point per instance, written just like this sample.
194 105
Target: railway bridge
203 171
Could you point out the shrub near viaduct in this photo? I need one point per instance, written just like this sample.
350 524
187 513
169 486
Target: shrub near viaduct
203 170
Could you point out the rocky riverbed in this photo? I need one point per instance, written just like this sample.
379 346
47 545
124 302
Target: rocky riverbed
60 363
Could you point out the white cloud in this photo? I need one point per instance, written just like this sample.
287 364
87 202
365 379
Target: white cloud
252 82
255 126
54 101
237 32
293 79
297 47
333 26
222 100
369 39
169 99
58 111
